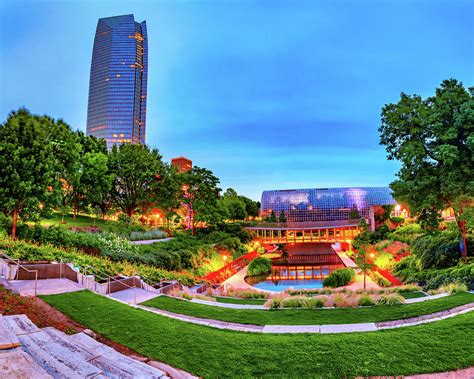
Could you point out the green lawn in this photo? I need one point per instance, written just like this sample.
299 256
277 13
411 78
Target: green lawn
234 300
86 221
413 295
310 316
211 353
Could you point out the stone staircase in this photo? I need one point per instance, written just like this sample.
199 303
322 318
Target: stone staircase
27 351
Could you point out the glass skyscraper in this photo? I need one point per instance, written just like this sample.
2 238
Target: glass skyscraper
118 81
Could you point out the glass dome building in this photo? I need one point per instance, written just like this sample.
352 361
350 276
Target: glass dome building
325 204
319 214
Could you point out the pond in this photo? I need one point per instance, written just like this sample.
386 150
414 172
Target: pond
304 268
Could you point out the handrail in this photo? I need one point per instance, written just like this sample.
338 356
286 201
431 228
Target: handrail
109 278
23 267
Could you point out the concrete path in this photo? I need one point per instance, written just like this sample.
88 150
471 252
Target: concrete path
348 262
150 242
330 328
424 298
45 286
16 364
134 295
228 305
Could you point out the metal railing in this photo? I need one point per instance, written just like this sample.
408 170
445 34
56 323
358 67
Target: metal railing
18 264
111 279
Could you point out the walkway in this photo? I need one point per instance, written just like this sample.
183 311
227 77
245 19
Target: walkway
134 295
348 262
326 329
45 286
228 305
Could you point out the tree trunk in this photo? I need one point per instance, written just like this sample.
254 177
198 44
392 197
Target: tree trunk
130 212
15 220
75 207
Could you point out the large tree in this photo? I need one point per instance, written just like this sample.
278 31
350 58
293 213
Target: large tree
433 139
136 170
28 165
200 196
168 192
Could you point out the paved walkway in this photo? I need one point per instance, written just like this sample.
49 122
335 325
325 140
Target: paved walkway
424 298
149 242
45 286
227 305
328 329
467 373
348 262
134 295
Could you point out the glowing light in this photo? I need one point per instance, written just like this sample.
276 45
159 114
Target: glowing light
398 207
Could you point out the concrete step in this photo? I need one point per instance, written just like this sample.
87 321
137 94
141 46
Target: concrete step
20 324
17 364
8 339
115 364
7 285
60 357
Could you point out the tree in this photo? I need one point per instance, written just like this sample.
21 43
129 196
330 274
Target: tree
96 181
27 165
433 139
272 217
135 171
168 192
234 204
354 213
200 196
282 217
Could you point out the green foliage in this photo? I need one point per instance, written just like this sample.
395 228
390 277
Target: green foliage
148 235
282 217
453 288
354 213
366 301
379 279
340 277
135 170
433 140
437 251
259 266
390 299
272 217
407 233
29 164
385 261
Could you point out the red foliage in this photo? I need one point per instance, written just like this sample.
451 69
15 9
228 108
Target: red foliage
231 268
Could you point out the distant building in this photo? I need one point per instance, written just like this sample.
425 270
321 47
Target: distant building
182 164
118 81
319 214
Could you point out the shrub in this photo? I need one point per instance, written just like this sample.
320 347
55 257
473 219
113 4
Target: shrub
259 266
385 261
366 301
274 303
453 288
148 235
339 277
379 279
247 294
318 302
407 288
390 299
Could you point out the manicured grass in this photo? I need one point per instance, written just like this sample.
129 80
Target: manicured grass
234 300
310 316
434 347
413 295
85 221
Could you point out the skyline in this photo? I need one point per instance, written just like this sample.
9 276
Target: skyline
261 95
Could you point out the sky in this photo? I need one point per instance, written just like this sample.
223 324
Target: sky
266 94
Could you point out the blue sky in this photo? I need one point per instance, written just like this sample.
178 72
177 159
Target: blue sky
267 94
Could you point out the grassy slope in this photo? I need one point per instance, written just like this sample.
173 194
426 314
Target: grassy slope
412 295
231 300
310 316
438 346
84 221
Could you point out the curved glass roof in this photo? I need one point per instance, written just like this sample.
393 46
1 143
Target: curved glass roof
321 204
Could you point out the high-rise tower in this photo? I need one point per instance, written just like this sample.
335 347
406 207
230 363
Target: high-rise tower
118 81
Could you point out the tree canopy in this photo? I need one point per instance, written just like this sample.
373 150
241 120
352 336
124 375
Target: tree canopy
433 139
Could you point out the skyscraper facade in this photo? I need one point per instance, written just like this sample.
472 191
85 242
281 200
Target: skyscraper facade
118 81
